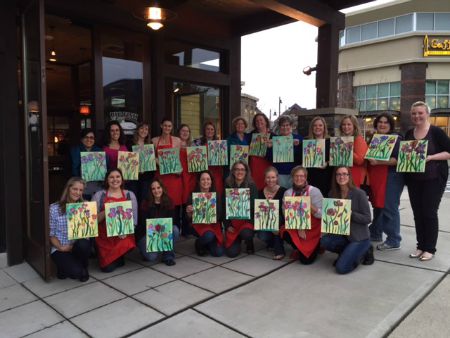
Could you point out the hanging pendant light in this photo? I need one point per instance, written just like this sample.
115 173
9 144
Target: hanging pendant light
155 16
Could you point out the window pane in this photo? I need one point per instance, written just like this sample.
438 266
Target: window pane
183 54
442 102
383 90
341 38
430 88
371 92
353 34
369 31
442 21
394 103
403 24
442 87
361 92
361 105
431 101
371 105
386 27
382 104
395 89
424 21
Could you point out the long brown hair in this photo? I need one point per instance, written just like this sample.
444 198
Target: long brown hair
336 191
203 139
166 202
213 181
148 139
64 199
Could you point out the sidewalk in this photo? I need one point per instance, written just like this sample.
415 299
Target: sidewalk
250 296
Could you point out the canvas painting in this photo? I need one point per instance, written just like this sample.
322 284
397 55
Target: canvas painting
283 149
197 159
169 161
258 145
93 165
147 159
412 156
119 218
237 203
381 147
217 152
159 234
341 151
205 208
128 163
238 153
81 220
314 153
297 212
267 215
336 216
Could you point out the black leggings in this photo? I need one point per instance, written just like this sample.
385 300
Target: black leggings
425 197
73 264
302 258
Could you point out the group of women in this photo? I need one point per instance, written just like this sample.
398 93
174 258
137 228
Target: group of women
156 196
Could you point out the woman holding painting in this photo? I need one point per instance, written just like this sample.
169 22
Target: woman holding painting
426 189
111 250
356 247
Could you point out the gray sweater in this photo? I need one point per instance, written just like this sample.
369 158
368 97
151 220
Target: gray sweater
360 218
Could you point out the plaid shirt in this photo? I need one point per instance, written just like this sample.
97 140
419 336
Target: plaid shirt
58 225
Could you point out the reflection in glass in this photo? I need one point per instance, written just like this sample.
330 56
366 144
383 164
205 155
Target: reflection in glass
183 54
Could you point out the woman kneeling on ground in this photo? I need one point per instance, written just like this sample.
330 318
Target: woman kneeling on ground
158 205
71 257
356 247
305 241
210 236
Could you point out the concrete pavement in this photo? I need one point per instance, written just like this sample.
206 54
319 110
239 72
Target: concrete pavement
250 296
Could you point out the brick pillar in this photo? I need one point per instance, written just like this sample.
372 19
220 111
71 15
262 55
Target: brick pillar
346 98
412 90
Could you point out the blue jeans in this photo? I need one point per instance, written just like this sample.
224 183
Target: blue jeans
350 253
208 241
235 249
272 241
153 256
387 219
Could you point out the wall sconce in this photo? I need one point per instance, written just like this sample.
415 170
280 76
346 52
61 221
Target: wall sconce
308 70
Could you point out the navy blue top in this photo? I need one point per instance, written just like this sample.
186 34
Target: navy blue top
285 168
75 157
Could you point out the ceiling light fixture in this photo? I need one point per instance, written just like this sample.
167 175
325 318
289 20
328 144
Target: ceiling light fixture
155 16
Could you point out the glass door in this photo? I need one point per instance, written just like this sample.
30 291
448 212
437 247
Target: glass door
35 131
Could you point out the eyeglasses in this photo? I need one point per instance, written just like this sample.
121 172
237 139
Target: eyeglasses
89 137
342 175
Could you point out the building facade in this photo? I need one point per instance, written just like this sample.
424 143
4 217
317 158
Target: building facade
394 55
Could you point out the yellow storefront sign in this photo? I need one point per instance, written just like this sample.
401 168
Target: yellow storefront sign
435 47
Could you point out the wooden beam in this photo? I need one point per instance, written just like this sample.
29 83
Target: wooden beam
313 12
258 22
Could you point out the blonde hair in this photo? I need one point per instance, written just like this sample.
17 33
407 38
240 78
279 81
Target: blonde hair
356 130
236 120
311 126
64 199
421 104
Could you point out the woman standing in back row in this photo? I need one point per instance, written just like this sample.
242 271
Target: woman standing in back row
258 165
349 127
426 189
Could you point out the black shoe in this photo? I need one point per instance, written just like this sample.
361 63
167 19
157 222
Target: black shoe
61 275
250 246
84 276
199 250
169 262
368 258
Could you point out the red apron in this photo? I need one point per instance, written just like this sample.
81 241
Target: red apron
305 246
215 228
378 179
217 173
189 179
258 166
238 226
112 248
172 182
